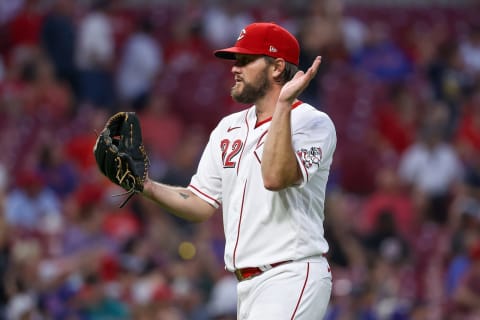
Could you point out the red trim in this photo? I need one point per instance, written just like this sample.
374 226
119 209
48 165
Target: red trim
243 147
239 224
246 273
301 293
258 124
259 144
256 156
306 171
260 140
204 194
296 104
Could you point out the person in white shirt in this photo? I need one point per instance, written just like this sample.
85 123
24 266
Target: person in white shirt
141 63
95 56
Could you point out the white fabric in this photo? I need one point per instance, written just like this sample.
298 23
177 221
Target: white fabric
141 61
471 56
95 41
432 171
261 226
221 28
297 290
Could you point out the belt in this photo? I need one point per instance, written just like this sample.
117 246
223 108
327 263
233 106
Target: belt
250 272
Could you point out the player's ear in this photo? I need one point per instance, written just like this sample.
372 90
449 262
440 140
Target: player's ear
278 67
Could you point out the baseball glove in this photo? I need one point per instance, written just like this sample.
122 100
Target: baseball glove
120 153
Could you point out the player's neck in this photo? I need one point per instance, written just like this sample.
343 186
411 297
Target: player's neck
265 106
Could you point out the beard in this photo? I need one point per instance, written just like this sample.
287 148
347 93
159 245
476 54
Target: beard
252 91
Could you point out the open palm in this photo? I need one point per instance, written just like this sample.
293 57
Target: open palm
292 89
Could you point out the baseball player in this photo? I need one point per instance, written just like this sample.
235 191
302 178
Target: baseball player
267 167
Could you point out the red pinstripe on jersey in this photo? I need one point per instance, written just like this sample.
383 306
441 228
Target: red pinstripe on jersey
204 194
239 224
245 141
305 169
260 142
301 293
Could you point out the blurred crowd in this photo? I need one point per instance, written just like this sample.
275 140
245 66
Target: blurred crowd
402 85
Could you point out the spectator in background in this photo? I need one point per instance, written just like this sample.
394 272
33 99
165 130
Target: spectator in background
96 56
388 196
422 40
58 38
78 145
470 51
84 213
465 235
2 69
6 237
222 304
158 113
396 121
223 20
45 95
140 64
384 238
24 28
431 166
185 157
184 50
8 10
467 295
95 303
58 173
449 81
467 135
183 163
315 35
346 253
380 57
321 31
31 204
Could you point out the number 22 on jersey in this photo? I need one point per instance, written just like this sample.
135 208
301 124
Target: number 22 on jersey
230 151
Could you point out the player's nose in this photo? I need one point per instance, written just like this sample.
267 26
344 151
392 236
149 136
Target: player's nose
235 68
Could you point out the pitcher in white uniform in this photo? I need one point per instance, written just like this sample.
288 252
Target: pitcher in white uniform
267 168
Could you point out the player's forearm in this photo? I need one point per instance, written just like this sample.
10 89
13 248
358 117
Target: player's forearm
279 164
178 200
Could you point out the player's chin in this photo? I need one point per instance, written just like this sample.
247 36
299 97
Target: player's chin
236 90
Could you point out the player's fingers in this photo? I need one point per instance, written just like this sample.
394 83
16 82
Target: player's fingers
312 71
299 74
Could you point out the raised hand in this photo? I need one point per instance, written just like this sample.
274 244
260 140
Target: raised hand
292 89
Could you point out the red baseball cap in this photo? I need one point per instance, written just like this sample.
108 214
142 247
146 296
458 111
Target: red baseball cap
264 38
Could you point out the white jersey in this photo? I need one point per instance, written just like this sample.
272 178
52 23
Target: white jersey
261 226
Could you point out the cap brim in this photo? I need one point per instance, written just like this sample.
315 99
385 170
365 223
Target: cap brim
229 53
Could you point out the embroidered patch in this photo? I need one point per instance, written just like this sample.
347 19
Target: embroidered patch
310 157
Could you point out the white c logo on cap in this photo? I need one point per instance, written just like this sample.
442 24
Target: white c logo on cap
242 34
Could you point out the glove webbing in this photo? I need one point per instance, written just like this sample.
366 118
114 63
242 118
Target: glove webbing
128 174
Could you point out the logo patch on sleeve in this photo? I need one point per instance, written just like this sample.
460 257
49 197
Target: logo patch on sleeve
310 157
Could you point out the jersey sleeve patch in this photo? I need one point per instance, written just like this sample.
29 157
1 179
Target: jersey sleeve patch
309 160
311 157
